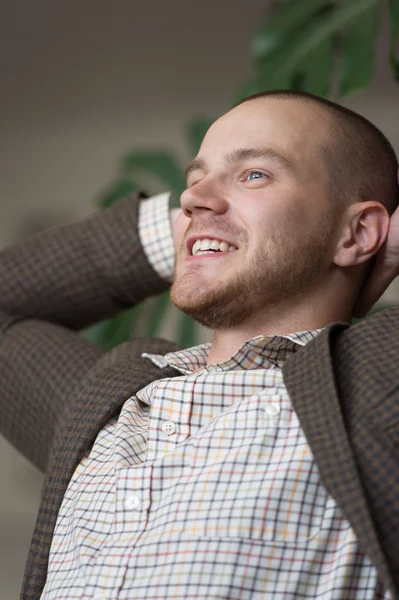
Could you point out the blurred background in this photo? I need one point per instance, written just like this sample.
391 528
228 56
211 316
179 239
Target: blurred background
82 84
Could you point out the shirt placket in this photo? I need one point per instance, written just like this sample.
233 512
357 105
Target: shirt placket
170 415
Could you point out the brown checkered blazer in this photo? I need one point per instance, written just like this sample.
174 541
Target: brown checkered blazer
58 390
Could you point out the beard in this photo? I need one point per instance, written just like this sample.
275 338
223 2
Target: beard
282 269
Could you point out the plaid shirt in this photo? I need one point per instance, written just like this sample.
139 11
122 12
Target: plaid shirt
204 486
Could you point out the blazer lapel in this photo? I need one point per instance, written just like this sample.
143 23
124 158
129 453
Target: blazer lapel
118 375
309 378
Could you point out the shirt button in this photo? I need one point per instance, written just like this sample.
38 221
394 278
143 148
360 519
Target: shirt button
132 502
273 410
168 427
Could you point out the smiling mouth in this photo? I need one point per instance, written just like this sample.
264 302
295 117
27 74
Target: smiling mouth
215 247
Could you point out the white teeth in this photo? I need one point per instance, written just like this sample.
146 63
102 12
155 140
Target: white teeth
196 247
224 247
207 246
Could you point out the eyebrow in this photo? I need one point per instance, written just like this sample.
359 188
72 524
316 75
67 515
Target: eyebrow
241 154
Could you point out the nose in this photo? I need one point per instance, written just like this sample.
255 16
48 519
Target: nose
203 198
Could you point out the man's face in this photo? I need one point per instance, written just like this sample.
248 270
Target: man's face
259 185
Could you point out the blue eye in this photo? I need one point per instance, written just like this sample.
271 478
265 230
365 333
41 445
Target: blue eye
255 175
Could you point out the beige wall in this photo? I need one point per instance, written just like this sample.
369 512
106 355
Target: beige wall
82 82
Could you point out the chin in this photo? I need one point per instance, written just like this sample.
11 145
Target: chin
220 308
187 294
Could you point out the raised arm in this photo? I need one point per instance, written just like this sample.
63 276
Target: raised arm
80 273
63 280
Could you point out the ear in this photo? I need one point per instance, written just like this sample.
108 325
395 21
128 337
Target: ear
364 232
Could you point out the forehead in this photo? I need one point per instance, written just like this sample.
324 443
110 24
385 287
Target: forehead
295 128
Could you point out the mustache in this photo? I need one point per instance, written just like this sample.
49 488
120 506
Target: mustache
215 228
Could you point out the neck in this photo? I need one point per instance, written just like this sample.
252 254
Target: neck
278 320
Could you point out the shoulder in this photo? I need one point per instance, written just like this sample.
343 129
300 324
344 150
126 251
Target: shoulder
374 338
382 325
365 358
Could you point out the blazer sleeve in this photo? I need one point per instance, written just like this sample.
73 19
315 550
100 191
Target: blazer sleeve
78 274
52 285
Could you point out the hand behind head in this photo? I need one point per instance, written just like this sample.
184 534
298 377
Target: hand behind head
385 270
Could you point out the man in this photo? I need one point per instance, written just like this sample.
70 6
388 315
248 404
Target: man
264 464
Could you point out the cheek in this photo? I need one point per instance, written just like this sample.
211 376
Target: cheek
279 220
264 218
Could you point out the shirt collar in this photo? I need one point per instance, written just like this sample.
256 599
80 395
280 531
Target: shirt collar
256 353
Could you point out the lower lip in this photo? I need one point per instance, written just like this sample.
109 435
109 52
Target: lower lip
208 256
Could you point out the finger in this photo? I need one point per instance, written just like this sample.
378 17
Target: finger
375 286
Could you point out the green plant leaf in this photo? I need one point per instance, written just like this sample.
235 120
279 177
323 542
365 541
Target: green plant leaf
272 77
272 62
357 52
315 73
394 42
112 332
116 190
318 30
160 164
281 26
263 82
158 312
281 72
196 131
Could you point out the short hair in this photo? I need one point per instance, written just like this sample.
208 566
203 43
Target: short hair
360 162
